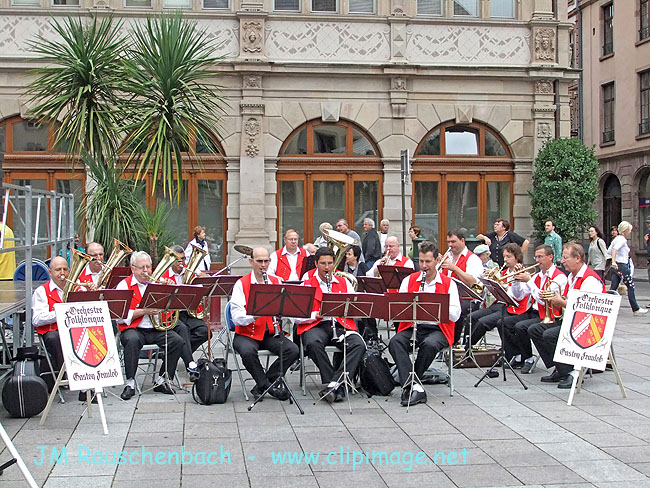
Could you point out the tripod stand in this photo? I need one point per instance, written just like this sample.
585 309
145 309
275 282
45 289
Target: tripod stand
466 293
501 296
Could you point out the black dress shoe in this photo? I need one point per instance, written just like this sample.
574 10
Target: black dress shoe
279 392
328 394
163 388
193 373
339 394
127 393
416 397
566 383
514 364
554 377
406 392
295 366
256 391
82 397
493 373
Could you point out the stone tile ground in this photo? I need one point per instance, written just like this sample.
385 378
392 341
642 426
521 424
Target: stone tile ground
494 435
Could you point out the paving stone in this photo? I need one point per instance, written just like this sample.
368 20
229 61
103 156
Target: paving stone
417 480
480 475
636 454
547 475
606 470
210 481
512 453
64 482
573 451
327 479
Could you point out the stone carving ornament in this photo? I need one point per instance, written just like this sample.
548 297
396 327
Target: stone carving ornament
544 87
252 81
252 129
399 83
545 45
252 36
544 131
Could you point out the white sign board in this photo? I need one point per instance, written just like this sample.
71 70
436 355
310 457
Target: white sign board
587 329
88 345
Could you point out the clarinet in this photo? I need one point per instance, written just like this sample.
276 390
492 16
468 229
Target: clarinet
422 283
328 282
276 329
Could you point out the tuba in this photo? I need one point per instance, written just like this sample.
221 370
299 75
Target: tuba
79 262
163 323
119 251
190 273
546 293
342 242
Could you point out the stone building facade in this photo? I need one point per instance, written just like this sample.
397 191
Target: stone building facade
324 94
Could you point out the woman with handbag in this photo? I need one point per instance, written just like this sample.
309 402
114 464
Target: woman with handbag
598 254
622 268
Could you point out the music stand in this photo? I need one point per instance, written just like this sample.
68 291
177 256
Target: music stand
118 274
348 306
279 301
220 285
370 284
171 298
466 293
501 296
416 307
392 276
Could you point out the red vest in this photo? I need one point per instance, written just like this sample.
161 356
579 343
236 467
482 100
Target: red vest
52 298
398 262
283 269
461 263
557 312
255 330
447 328
338 286
522 305
135 301
85 277
579 281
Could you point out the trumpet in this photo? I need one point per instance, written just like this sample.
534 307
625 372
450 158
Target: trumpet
507 277
547 293
444 258
384 260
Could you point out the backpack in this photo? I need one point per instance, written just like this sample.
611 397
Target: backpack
374 372
213 385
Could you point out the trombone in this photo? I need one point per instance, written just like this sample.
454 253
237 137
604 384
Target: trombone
507 277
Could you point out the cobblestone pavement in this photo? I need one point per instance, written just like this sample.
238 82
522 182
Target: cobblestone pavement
494 435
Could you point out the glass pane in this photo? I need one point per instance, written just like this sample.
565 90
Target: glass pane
138 3
75 187
298 144
361 146
3 139
206 147
43 217
30 136
362 6
329 139
502 8
210 201
329 203
429 7
178 219
215 4
323 5
366 203
426 209
177 3
461 142
492 145
462 207
292 207
498 201
431 146
466 7
69 3
26 2
290 5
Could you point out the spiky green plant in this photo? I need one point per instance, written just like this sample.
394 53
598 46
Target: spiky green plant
152 233
78 84
170 103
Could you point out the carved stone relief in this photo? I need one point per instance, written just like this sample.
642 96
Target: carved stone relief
252 36
252 130
544 131
252 81
545 44
464 114
544 87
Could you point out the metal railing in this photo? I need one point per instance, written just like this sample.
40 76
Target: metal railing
40 219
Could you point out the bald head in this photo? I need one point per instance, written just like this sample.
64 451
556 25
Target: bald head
392 247
59 271
259 262
96 251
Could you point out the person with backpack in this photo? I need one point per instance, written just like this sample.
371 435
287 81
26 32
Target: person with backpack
597 255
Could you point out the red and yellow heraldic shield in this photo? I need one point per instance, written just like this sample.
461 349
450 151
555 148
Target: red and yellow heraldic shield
587 329
89 344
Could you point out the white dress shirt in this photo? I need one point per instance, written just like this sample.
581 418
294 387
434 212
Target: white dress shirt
454 299
391 262
293 261
205 262
41 314
560 279
473 267
126 284
591 284
323 287
238 302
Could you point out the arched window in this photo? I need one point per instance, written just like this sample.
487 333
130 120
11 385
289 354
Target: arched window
328 171
462 179
644 206
611 203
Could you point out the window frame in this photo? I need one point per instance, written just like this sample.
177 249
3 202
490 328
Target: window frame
644 123
299 10
608 124
150 7
514 11
469 16
374 9
474 127
228 7
607 15
442 9
325 12
644 21
309 127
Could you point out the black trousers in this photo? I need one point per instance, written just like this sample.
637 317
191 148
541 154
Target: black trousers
194 333
248 348
545 337
429 339
53 346
466 307
515 330
485 319
133 339
315 339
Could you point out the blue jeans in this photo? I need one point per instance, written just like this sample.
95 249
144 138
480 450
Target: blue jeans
624 276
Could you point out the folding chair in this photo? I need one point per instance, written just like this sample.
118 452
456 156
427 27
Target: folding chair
49 363
303 372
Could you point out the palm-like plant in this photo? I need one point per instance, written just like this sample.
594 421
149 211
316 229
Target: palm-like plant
78 84
170 103
152 230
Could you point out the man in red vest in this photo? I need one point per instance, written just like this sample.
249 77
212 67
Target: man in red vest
545 338
43 315
516 340
255 333
393 257
286 263
317 332
90 274
431 337
138 329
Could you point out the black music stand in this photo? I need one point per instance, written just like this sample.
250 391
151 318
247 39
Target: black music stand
171 298
466 293
279 301
416 307
220 285
118 274
370 284
348 306
501 296
392 276
118 300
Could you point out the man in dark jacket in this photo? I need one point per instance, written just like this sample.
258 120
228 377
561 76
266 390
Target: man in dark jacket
371 245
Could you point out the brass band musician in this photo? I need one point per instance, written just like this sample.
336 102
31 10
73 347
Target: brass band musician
91 272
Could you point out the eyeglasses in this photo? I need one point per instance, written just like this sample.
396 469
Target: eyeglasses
262 261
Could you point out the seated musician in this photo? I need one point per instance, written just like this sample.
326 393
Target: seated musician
44 317
431 337
255 333
194 331
286 263
488 318
516 342
545 336
317 332
138 329
393 257
91 272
